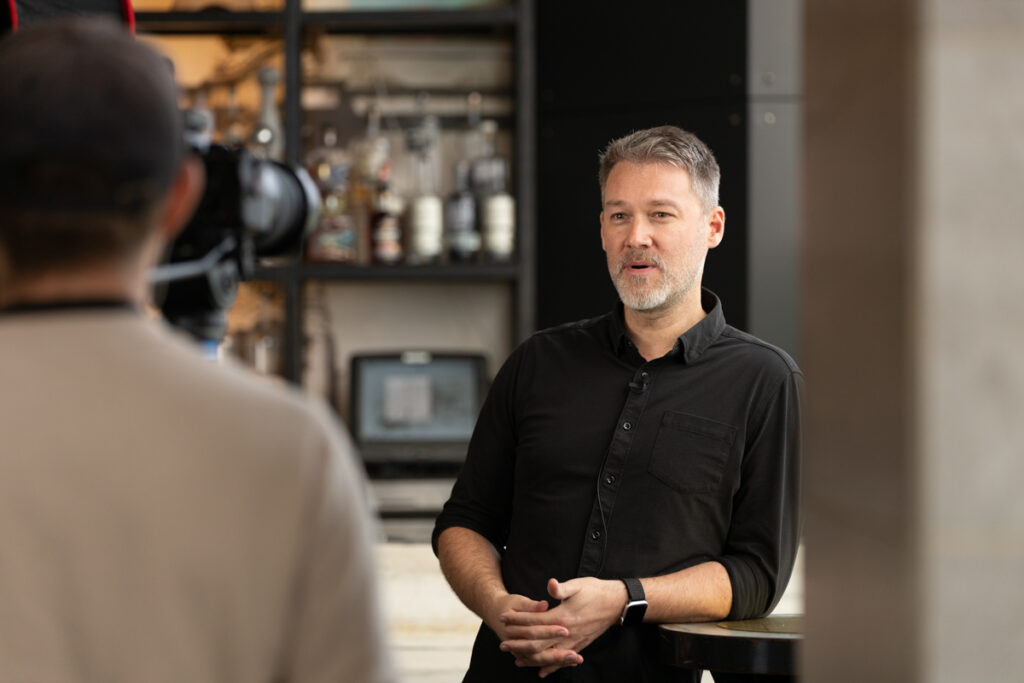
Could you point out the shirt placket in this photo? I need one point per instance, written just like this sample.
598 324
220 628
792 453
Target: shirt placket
609 478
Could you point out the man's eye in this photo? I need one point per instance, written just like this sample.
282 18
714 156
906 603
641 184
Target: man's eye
618 216
662 214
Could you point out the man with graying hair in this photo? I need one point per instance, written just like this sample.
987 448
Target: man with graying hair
632 469
162 517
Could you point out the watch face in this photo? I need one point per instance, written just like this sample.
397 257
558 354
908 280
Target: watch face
634 612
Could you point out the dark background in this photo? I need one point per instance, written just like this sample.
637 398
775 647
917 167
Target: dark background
604 70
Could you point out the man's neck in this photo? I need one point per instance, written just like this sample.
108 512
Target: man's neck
89 284
654 333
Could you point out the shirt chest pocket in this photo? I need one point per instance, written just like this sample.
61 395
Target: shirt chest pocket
690 452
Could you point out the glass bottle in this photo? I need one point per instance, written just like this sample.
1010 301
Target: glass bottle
199 123
498 222
461 233
425 213
495 206
336 236
472 142
268 136
485 161
234 134
369 153
385 229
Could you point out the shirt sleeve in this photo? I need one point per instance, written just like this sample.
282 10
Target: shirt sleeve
765 531
481 499
337 631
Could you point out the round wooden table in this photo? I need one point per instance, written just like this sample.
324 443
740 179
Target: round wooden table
756 650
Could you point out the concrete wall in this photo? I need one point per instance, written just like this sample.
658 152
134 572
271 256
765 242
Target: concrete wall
774 120
971 355
912 335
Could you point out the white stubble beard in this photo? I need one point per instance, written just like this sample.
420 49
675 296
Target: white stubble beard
637 296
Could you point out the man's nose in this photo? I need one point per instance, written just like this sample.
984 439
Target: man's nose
639 233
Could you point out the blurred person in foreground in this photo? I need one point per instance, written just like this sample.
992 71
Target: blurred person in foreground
162 518
632 469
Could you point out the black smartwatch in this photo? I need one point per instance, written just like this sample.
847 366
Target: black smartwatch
636 603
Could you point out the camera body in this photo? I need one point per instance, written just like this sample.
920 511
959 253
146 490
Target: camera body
251 207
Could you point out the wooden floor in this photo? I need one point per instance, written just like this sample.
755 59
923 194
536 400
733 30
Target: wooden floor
431 632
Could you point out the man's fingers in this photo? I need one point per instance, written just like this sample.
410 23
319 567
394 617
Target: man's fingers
572 660
543 632
551 657
539 606
539 618
524 604
524 641
562 591
525 649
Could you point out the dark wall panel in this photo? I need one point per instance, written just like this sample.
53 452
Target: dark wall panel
621 53
603 70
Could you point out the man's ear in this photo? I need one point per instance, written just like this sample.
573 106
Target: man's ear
183 197
600 219
716 227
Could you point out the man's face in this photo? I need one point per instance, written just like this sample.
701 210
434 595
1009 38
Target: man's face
655 234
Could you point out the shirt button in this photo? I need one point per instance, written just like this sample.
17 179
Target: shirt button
595 534
627 425
610 479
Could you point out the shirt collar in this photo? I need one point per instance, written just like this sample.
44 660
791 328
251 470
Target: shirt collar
690 345
71 304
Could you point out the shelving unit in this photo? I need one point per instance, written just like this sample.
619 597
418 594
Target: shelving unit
210 21
442 273
295 26
436 22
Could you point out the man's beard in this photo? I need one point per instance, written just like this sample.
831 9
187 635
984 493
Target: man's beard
637 292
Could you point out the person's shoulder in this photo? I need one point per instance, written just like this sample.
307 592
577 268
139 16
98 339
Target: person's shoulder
553 344
586 326
757 351
228 388
566 338
275 428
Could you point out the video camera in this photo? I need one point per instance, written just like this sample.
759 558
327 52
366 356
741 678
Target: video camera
251 207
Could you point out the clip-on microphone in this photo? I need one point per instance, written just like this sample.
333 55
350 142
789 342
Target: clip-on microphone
641 386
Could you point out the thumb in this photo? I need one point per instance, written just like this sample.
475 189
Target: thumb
563 591
525 604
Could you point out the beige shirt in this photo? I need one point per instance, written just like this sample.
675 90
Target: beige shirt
166 518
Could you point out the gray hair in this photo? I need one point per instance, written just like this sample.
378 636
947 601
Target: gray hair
667 145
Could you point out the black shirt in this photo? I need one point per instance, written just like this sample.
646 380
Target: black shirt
588 460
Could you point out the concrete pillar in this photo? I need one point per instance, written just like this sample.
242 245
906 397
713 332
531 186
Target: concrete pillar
914 339
774 113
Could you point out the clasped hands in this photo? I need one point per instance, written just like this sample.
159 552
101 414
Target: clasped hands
553 638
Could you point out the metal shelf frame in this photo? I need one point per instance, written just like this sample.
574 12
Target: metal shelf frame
495 272
439 22
210 21
294 26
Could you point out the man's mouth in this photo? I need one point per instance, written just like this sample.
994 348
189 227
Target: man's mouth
638 266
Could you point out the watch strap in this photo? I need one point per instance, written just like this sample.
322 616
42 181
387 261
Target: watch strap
636 603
